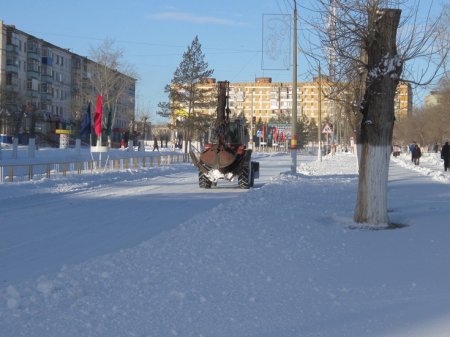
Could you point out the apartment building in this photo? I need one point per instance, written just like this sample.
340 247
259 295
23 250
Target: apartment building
436 98
266 100
50 82
403 101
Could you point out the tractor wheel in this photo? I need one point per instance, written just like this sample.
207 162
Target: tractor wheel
203 181
244 179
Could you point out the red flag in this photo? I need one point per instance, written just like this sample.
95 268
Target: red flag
98 116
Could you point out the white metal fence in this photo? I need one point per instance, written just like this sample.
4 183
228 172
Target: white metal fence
25 172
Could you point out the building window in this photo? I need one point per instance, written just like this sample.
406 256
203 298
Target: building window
33 66
11 60
32 46
46 88
8 37
9 78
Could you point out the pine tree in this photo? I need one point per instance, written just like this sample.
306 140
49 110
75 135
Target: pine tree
186 98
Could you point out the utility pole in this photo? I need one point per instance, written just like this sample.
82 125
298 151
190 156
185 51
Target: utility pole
319 123
319 108
294 97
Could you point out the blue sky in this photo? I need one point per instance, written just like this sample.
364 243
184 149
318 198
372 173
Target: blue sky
154 34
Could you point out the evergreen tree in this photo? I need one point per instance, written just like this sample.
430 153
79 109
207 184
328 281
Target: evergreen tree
186 97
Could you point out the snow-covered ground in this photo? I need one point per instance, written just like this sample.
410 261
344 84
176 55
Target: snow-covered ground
148 253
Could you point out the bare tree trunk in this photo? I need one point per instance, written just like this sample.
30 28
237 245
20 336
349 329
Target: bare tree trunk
186 139
384 68
17 125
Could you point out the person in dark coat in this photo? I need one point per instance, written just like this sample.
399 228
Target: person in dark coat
416 154
435 148
155 144
411 150
445 154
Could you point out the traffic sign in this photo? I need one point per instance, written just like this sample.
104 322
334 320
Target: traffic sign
327 129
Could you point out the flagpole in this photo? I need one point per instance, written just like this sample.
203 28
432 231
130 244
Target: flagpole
98 126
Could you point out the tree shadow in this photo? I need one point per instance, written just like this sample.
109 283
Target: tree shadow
369 227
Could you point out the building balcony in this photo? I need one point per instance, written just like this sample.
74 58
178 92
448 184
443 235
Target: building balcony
13 85
46 78
32 93
33 46
46 74
14 68
12 48
47 61
35 56
46 96
33 69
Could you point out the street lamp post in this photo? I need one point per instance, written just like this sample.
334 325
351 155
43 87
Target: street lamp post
319 123
294 98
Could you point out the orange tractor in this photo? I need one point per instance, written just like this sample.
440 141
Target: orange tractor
225 154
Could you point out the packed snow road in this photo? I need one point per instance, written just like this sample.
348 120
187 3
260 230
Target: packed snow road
47 224
284 259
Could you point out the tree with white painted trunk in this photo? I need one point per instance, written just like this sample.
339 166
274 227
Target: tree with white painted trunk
384 67
370 43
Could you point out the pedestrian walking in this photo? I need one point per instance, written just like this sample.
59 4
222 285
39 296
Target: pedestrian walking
416 154
411 150
155 144
396 151
445 154
435 147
